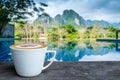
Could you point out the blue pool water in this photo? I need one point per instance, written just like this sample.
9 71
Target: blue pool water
5 50
73 51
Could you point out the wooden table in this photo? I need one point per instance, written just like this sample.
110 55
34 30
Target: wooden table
68 71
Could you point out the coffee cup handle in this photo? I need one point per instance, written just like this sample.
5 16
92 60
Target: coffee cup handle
51 59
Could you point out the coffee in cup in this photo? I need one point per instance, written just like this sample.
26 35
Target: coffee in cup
29 58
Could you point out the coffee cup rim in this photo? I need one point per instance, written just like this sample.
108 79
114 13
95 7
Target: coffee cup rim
17 46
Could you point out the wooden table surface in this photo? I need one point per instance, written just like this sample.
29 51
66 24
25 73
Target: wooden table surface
68 71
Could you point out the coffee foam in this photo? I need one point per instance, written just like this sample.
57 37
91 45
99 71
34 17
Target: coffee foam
28 46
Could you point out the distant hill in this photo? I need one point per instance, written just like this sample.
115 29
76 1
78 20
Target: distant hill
70 17
102 23
73 18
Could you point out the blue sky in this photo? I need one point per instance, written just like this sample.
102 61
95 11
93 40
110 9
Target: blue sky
108 10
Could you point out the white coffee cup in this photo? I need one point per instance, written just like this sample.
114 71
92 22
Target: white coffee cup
29 59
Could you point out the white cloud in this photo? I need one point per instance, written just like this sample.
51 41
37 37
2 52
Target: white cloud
101 15
88 9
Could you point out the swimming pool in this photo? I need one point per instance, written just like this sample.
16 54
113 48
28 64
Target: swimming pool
5 51
67 51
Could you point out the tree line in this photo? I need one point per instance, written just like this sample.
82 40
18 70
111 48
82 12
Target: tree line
68 32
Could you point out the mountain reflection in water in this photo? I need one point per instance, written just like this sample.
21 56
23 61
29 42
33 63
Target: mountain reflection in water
85 50
72 50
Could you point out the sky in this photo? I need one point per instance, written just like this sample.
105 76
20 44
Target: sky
108 10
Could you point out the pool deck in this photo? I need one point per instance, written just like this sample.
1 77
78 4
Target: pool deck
68 71
108 40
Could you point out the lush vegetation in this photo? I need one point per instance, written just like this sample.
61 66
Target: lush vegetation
63 32
67 32
12 10
16 10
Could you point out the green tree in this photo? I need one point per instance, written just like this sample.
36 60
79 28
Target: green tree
14 10
94 33
67 32
110 28
53 35
19 31
70 29
112 32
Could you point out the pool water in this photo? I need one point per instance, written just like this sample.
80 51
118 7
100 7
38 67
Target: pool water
74 51
5 50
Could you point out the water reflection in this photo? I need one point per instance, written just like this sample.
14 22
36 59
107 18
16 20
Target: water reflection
77 50
29 41
117 46
110 56
72 50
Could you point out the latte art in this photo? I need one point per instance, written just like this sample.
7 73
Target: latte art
28 46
